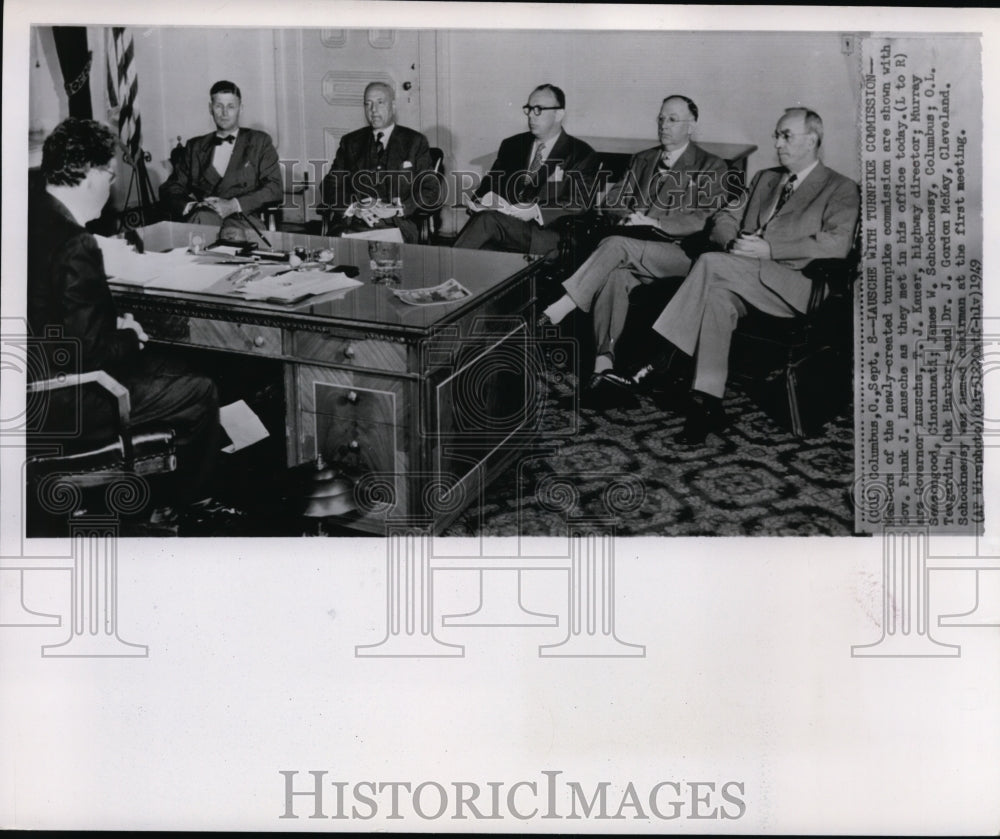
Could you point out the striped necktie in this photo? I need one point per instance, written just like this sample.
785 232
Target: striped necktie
536 161
786 193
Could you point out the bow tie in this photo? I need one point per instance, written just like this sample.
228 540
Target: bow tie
218 141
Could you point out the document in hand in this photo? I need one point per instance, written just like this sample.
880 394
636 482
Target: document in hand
124 265
492 201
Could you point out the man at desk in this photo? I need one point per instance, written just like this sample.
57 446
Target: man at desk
68 289
663 203
224 176
382 175
538 176
796 212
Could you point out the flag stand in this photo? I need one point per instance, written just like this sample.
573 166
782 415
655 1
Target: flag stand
138 215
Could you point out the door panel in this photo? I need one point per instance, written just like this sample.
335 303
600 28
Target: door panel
322 74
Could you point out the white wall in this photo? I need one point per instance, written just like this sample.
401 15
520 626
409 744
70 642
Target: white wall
615 81
175 69
477 81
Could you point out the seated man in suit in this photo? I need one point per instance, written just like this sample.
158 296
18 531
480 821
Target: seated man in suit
68 289
224 176
671 189
544 172
382 175
794 213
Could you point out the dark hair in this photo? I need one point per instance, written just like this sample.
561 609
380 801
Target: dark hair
74 147
226 87
692 108
813 121
555 91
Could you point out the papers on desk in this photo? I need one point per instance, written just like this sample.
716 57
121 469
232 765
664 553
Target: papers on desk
179 270
131 268
284 286
492 201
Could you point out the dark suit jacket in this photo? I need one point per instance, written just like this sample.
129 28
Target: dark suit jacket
68 288
555 194
405 173
817 222
681 199
253 174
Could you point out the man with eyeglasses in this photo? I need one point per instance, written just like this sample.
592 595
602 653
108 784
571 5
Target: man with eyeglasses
382 175
794 213
68 292
224 176
672 189
540 174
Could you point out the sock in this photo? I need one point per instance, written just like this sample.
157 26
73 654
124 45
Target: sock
562 307
602 363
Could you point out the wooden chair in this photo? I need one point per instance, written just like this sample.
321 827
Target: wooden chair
64 471
802 367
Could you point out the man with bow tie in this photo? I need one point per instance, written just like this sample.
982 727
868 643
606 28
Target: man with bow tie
382 175
225 175
794 213
671 189
542 174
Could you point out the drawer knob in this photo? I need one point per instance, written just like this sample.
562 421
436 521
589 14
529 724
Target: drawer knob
354 445
258 341
349 351
352 397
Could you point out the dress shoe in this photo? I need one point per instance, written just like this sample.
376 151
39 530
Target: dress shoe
607 390
663 373
705 415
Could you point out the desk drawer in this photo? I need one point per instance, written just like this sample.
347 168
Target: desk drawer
369 353
215 334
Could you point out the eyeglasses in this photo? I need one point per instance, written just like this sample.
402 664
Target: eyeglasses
787 135
671 120
537 109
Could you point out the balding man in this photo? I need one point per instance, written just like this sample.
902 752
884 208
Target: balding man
673 189
543 172
795 213
382 175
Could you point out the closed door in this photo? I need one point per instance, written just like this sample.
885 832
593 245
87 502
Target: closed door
322 75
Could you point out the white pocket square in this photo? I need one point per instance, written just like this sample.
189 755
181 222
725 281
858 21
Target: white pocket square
407 164
557 174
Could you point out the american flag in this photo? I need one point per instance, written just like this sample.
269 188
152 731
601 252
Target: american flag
122 89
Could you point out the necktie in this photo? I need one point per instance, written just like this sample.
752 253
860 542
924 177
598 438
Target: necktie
229 138
662 165
378 141
536 161
786 193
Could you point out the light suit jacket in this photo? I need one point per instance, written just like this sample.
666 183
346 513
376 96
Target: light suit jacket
817 222
682 199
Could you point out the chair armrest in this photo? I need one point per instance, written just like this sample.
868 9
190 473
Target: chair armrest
98 377
834 275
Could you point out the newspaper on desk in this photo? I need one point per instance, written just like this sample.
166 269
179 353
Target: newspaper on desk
447 292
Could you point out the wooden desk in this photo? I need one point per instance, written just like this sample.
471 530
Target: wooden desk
425 403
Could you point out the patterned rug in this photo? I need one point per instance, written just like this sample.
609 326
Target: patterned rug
756 478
